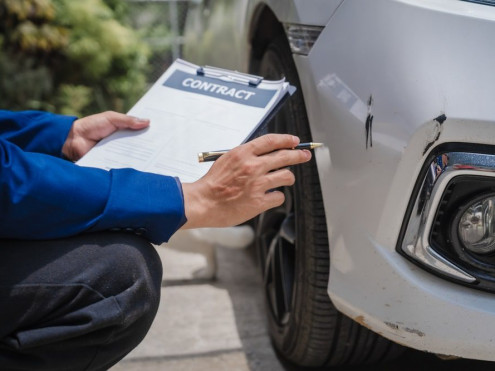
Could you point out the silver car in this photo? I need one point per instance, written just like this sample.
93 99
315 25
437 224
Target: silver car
388 236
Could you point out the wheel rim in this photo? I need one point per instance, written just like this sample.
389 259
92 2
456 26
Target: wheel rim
276 236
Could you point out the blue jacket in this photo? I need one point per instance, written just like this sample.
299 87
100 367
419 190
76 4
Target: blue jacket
43 196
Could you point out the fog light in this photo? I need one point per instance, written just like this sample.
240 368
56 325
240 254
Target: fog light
476 226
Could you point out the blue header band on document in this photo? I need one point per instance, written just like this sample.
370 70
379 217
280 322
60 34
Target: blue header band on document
214 87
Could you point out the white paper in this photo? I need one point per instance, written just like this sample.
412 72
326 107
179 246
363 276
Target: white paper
184 123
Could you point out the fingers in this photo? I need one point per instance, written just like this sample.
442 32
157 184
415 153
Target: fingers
274 150
279 178
87 131
122 121
273 199
271 142
283 158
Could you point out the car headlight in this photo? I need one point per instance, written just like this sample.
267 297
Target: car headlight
476 226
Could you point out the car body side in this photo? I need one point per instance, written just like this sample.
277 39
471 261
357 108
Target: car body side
405 62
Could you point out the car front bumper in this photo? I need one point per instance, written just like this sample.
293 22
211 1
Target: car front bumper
405 63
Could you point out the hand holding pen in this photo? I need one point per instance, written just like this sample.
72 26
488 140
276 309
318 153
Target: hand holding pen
243 182
214 155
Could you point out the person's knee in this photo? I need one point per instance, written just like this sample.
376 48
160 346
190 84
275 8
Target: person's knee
136 284
135 273
126 269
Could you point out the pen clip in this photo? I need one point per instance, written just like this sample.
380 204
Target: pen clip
239 77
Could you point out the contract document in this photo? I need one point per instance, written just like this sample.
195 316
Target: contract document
192 109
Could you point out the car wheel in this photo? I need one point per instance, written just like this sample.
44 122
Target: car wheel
292 246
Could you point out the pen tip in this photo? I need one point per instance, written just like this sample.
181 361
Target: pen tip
316 145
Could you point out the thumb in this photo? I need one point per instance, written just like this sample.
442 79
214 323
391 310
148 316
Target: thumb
122 121
139 123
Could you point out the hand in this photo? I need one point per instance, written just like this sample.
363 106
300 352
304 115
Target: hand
241 183
88 131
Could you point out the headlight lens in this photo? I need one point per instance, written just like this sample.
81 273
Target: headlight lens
476 226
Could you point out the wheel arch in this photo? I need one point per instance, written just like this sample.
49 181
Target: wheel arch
263 29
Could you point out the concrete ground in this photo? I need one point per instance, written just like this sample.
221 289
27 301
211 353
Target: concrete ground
207 325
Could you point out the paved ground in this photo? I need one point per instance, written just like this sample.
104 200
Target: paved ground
220 325
204 325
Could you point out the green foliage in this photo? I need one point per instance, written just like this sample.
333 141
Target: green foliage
73 98
73 57
158 23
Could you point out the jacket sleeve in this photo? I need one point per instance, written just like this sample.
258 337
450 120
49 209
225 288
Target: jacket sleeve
42 197
35 131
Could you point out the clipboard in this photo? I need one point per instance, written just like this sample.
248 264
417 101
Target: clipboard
251 80
218 73
192 109
262 128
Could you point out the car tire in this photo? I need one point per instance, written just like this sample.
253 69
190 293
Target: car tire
293 251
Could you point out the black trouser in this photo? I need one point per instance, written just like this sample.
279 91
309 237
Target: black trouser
80 303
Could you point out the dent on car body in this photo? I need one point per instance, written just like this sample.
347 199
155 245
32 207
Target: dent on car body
369 123
438 121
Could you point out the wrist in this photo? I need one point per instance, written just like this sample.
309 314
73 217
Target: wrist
74 146
67 151
195 206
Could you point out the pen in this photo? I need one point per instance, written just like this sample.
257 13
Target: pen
213 155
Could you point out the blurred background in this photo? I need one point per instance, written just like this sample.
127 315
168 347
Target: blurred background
82 57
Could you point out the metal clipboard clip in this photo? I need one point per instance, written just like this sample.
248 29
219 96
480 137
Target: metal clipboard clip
220 73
